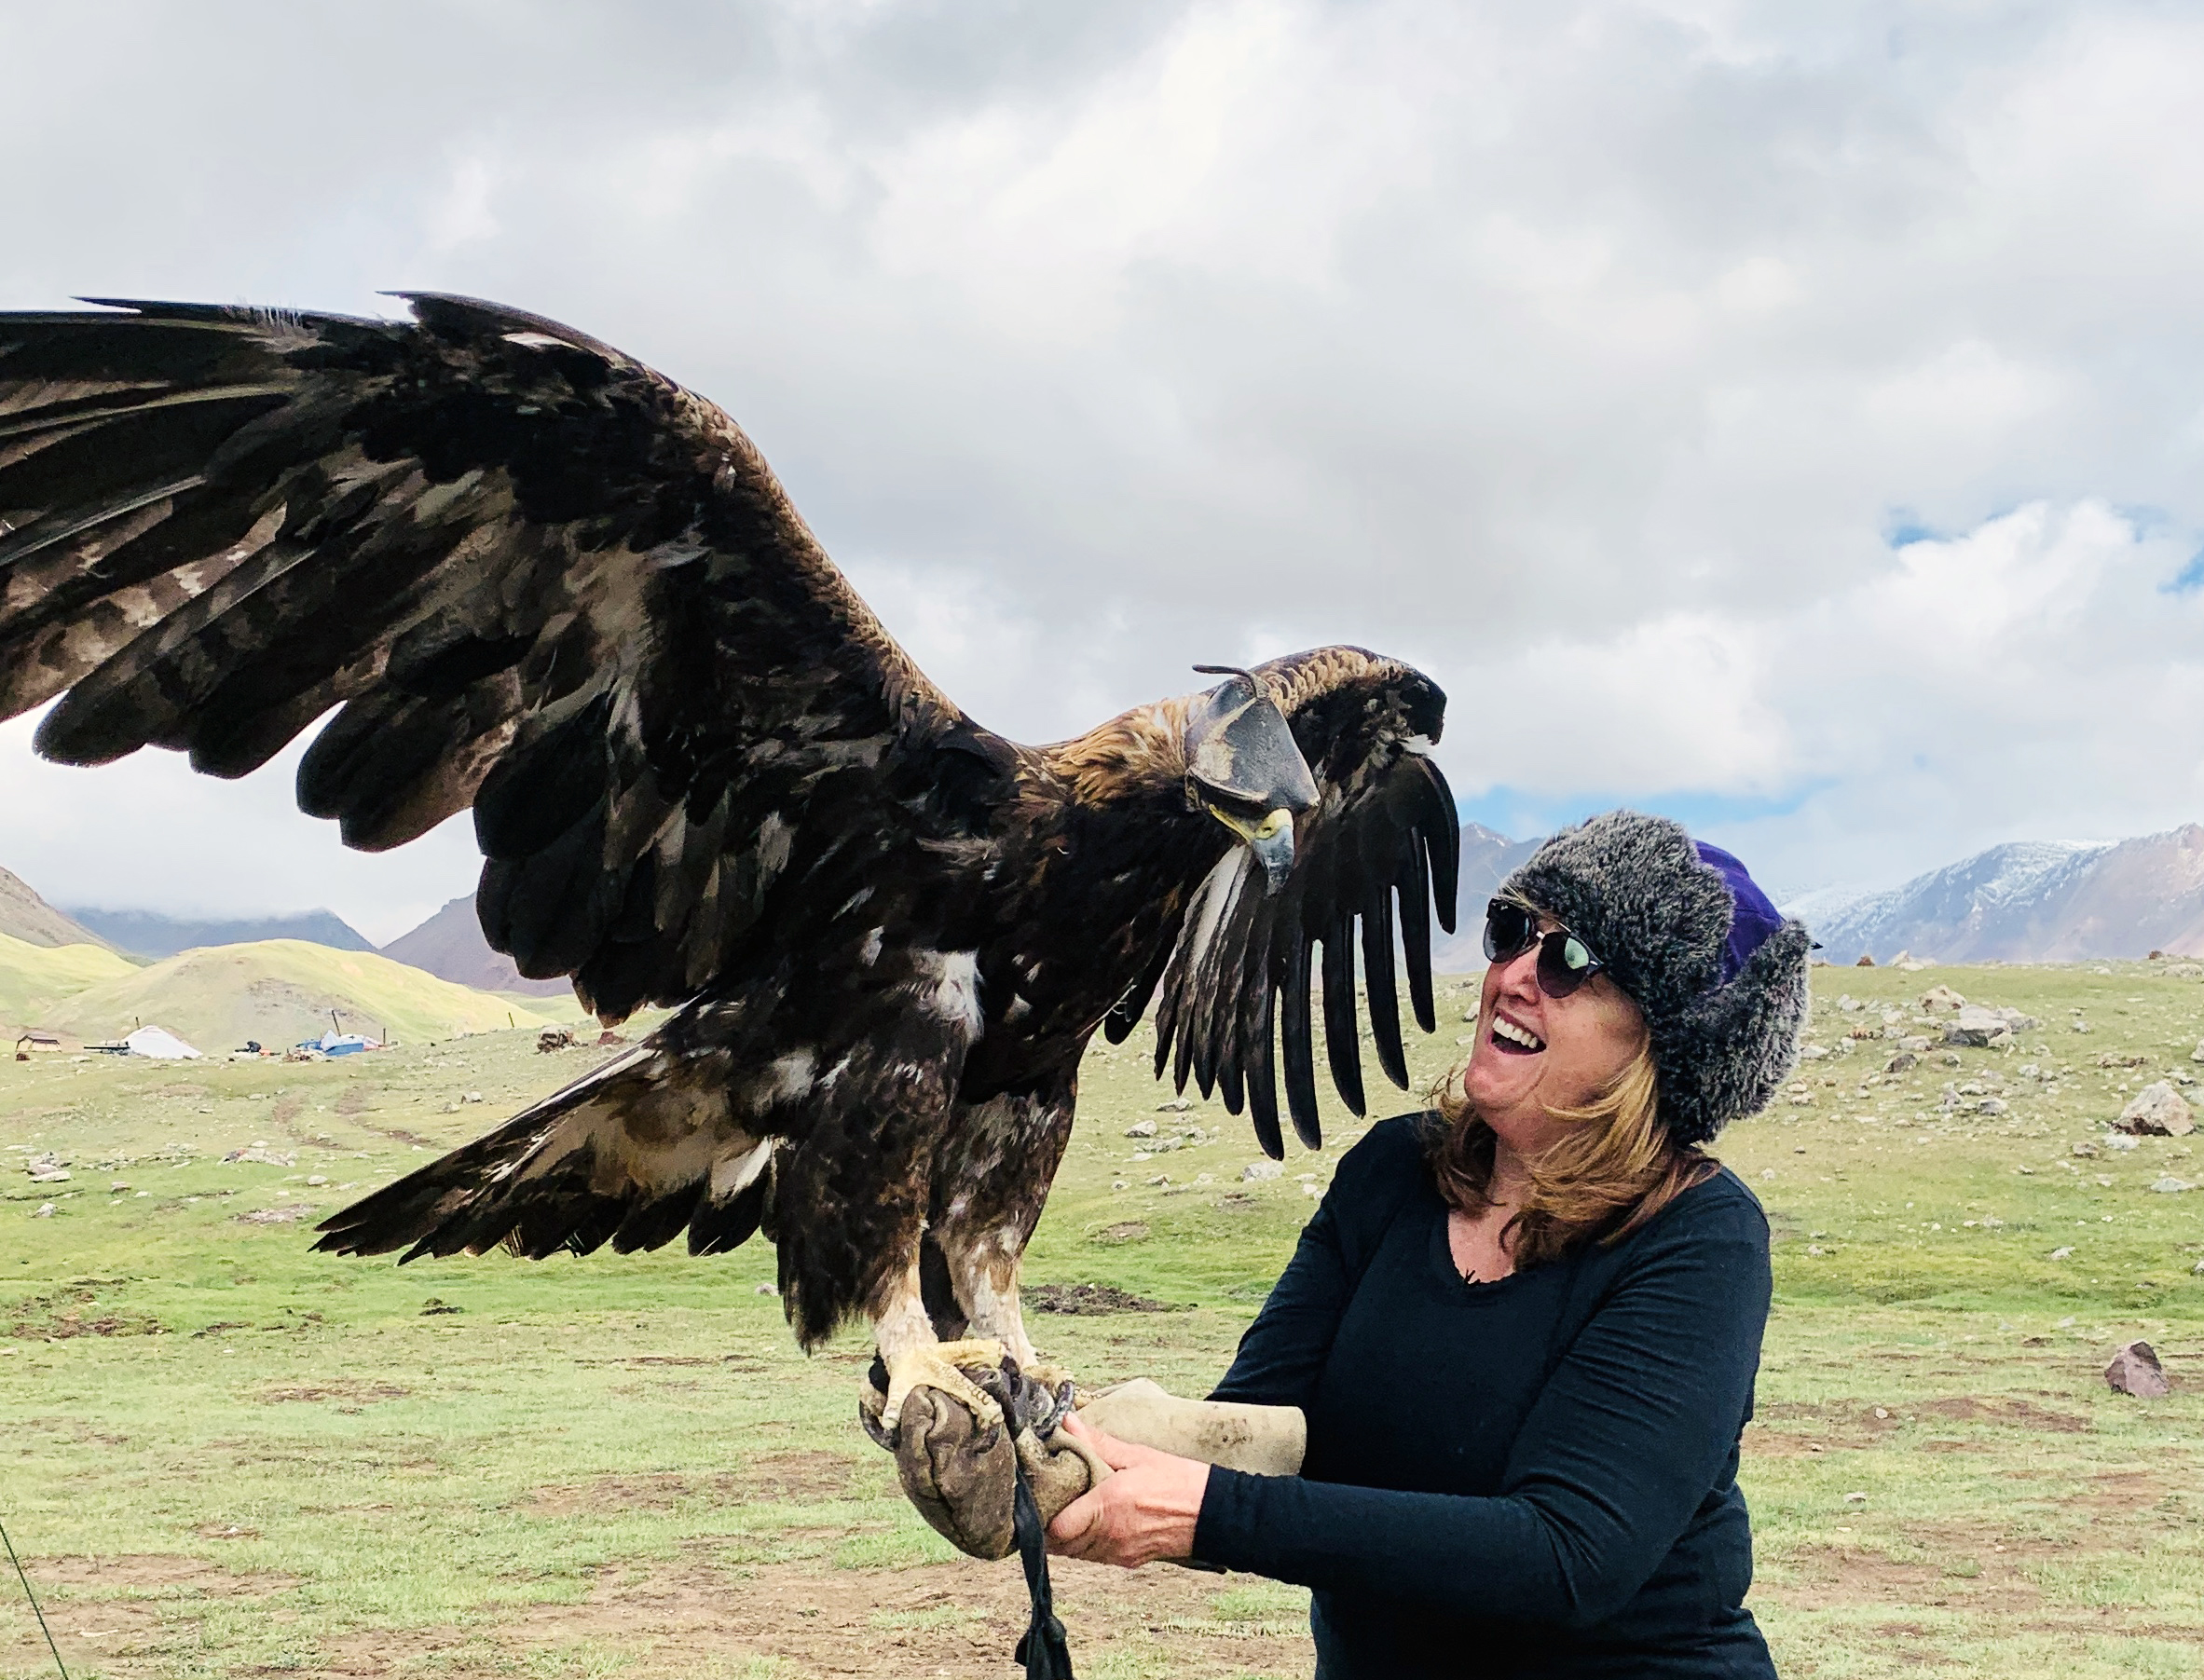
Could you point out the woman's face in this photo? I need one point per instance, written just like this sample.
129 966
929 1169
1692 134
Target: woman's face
1575 1047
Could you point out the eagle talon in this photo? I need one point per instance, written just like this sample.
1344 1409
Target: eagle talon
937 1367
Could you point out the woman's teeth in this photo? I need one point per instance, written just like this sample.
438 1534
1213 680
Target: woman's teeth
1508 1033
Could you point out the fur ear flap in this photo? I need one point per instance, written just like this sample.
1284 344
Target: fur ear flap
1727 1052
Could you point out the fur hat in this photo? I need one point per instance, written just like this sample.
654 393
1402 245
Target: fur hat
1682 929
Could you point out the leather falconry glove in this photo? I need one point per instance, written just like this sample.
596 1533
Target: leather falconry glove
962 1477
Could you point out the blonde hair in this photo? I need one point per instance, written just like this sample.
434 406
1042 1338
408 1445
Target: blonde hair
1612 1169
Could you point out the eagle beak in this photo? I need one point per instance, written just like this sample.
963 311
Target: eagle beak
1271 839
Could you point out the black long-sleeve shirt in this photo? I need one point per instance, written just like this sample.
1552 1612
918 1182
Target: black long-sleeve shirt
1531 1477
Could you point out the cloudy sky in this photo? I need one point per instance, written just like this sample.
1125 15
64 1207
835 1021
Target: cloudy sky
1790 418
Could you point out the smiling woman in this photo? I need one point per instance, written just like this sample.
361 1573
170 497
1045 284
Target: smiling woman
1524 1327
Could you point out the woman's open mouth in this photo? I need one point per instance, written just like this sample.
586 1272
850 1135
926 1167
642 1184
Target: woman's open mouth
1512 1040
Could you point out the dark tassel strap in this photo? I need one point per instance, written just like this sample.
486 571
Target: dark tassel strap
1043 1651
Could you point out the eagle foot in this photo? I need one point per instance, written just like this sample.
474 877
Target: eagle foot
957 1369
959 1472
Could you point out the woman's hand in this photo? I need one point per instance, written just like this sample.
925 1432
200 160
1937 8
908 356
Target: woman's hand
1147 1511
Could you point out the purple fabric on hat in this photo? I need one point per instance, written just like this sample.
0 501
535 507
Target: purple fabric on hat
1754 920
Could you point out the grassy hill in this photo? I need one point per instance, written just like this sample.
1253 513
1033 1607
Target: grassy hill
281 991
36 980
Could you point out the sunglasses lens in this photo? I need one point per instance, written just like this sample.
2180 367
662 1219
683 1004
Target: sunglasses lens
1565 963
1508 932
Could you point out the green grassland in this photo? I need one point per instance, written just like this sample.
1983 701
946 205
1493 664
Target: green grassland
37 980
221 1455
276 991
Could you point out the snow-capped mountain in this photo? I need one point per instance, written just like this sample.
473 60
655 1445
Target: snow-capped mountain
2027 901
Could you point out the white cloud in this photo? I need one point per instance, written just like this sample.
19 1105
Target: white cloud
1605 339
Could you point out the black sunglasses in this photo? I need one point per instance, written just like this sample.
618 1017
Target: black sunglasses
1565 961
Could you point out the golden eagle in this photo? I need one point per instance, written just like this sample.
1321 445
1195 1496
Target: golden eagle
534 577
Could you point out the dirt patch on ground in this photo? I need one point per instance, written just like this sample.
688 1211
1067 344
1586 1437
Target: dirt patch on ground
791 1477
2003 1409
143 1572
353 1395
1968 1573
959 1619
1130 1230
59 1317
133 1615
1093 1298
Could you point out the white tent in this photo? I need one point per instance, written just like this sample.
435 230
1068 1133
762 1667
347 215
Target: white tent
159 1043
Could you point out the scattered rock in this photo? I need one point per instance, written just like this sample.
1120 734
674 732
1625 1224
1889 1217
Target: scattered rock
765 1289
1812 1052
260 1156
2062 1253
436 1307
314 1180
472 1097
288 1215
2086 1150
1991 1105
1941 997
1141 1128
1254 1172
1177 1105
1164 1145
2120 1141
1916 1046
553 1038
2135 1370
1865 961
2170 1185
1855 1498
45 1210
2197 1054
2158 1109
1903 1062
2080 1025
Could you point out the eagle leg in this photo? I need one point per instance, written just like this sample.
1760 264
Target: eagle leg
984 1273
914 1357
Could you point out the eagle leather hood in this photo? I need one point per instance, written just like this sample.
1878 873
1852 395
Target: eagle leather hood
1720 977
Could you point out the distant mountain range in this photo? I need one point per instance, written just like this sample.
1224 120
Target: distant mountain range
2027 901
150 933
450 945
1487 860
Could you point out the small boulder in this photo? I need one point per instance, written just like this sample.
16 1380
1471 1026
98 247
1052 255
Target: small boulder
2170 1185
1941 997
1177 1105
553 1038
1141 1128
2135 1370
2158 1109
1254 1172
1976 1026
1865 961
1903 1062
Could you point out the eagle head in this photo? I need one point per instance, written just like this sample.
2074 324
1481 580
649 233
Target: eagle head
1243 768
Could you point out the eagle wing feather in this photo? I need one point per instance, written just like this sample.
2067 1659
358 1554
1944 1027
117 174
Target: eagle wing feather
531 575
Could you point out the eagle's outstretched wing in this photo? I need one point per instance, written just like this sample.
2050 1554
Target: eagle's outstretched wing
1236 994
538 578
